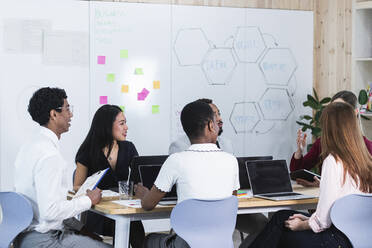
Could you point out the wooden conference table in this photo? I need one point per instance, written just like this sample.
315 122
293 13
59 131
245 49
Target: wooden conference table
123 215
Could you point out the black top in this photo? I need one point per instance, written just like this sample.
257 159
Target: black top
125 155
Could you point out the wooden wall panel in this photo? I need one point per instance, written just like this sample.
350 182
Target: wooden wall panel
332 34
332 46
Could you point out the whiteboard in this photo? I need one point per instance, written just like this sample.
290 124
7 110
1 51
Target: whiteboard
152 59
26 29
130 67
255 64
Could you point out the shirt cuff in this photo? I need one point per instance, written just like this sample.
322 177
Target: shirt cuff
314 223
162 188
84 202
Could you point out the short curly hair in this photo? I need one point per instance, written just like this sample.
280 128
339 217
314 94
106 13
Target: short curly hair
194 117
43 101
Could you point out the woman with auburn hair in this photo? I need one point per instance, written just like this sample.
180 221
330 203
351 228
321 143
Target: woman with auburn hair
346 169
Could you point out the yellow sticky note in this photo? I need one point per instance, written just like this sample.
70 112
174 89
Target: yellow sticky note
110 77
124 88
122 108
156 84
155 109
138 71
124 54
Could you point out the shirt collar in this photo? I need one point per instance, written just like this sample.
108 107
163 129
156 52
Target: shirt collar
50 135
203 147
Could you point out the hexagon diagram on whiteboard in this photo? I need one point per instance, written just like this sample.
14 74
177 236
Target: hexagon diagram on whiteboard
244 117
219 65
278 65
276 104
191 46
248 44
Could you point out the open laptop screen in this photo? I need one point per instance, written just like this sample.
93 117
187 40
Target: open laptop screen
243 175
268 176
148 175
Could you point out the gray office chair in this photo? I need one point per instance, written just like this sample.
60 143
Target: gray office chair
17 216
352 215
206 223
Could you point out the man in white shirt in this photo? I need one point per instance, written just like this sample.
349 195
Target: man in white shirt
40 175
251 224
203 171
183 142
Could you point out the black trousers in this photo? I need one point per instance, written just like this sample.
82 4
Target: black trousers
158 240
277 235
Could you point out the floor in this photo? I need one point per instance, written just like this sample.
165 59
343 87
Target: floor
236 239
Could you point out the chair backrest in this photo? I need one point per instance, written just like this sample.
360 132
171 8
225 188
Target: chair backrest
206 223
352 215
17 216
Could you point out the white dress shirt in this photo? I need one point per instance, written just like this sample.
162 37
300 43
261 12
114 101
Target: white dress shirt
40 175
183 142
203 172
331 189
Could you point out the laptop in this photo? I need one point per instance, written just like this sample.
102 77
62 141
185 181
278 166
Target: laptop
270 180
148 175
243 176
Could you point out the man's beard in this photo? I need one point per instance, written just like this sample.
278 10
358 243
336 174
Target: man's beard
220 131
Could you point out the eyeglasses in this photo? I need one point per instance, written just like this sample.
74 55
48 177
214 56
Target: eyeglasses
69 109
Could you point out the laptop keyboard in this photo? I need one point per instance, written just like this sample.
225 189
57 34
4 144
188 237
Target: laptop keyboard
281 194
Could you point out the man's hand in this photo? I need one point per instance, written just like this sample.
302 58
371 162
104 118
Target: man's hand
306 183
301 142
140 190
95 195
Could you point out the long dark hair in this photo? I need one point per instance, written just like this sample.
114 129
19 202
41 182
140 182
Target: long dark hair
100 134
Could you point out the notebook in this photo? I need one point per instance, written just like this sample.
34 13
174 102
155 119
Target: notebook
91 182
270 180
148 175
243 176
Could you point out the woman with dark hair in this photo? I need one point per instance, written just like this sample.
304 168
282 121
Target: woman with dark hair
312 158
106 147
346 169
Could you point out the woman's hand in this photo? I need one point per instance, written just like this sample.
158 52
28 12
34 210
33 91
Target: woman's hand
306 183
298 216
297 222
301 142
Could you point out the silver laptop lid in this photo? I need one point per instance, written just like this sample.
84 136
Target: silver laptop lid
268 176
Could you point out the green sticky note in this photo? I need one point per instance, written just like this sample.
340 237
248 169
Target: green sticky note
110 77
122 108
138 71
155 109
124 54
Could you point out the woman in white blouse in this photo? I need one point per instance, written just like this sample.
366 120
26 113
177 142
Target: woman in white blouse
347 169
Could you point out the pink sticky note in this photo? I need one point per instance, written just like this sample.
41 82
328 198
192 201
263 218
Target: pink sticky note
101 60
145 91
103 100
140 96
